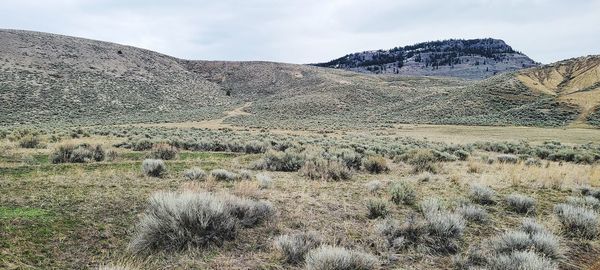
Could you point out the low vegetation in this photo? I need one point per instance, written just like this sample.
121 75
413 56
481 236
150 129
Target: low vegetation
217 195
177 221
337 258
154 167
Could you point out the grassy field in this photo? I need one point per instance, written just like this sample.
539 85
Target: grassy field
84 215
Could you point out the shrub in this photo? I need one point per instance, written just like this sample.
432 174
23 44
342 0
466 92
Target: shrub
402 235
519 260
163 151
444 231
482 194
374 186
422 160
377 208
29 141
431 206
320 168
530 226
336 258
264 181
507 158
532 236
295 246
174 221
81 154
154 167
520 203
577 221
349 157
473 213
195 174
546 243
62 154
443 156
375 164
223 175
288 161
99 153
248 212
76 154
142 145
586 201
255 147
402 193
510 241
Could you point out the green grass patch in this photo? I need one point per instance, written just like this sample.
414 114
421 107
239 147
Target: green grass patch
23 212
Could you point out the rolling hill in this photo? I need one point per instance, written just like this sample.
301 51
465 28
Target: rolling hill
55 80
576 81
470 59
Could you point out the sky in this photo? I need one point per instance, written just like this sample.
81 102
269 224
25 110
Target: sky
311 31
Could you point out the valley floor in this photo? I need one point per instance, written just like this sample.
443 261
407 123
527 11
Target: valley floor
83 215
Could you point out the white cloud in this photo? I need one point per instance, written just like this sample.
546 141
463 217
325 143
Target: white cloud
313 30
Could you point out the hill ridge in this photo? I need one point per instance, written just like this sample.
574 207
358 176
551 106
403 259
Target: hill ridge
48 79
464 58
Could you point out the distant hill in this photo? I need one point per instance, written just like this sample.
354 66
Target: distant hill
470 59
576 81
56 80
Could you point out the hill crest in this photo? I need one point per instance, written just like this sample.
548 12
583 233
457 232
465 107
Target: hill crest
470 59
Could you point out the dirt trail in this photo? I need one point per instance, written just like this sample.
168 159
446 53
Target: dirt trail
211 124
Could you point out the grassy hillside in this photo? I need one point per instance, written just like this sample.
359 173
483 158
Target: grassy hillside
50 79
576 81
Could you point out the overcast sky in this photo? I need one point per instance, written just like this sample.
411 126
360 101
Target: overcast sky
311 31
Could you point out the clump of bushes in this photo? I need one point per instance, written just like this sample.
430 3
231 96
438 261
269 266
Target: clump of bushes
507 158
377 208
175 221
539 240
375 164
195 174
223 175
338 258
349 157
295 246
154 167
577 221
444 230
520 203
482 194
142 145
30 141
163 151
68 153
589 202
530 247
422 160
402 192
473 213
287 161
522 260
439 230
325 169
